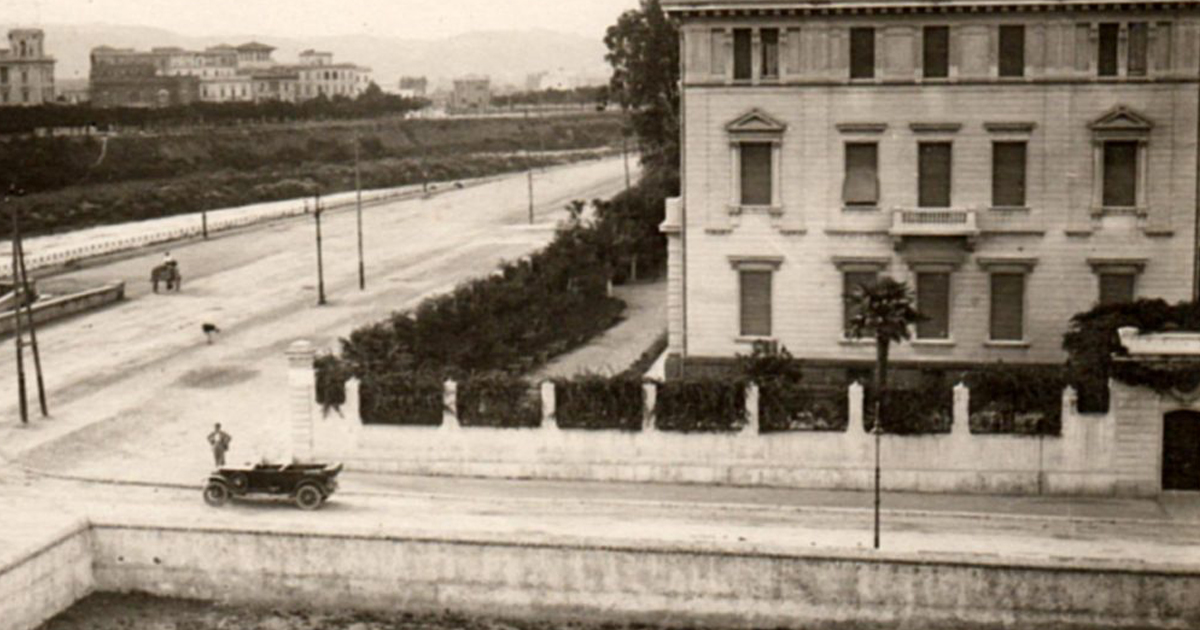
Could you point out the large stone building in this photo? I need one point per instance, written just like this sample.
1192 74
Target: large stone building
219 74
26 71
1016 162
471 92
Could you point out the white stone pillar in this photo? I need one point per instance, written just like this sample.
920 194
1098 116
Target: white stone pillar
350 409
549 406
450 406
855 423
961 424
649 399
302 390
751 427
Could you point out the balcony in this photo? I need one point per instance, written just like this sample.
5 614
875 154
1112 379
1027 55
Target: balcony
934 222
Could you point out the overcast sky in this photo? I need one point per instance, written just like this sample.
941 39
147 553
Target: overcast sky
418 19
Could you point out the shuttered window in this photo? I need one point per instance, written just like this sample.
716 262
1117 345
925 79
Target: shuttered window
756 173
1012 50
1106 62
936 57
741 54
1008 174
1120 174
717 53
1136 66
1116 288
755 303
770 52
851 280
933 301
1008 307
934 175
861 186
862 53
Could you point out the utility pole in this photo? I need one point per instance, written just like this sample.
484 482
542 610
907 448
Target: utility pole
204 223
362 274
37 357
320 262
878 431
529 171
16 270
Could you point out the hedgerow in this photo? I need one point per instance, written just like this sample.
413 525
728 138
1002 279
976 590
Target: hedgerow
331 375
404 399
498 400
925 409
598 402
701 405
1018 399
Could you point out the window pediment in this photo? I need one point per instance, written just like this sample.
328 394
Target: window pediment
756 122
1121 121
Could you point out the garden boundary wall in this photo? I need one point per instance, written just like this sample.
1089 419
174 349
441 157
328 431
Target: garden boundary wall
65 306
45 580
1089 457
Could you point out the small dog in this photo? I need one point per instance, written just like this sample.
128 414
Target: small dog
209 331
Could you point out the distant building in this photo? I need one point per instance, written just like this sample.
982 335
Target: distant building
471 93
26 72
123 77
413 87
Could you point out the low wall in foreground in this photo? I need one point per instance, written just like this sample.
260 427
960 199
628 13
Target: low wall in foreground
65 306
44 581
652 584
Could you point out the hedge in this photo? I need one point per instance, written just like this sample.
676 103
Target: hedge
498 400
789 406
401 399
928 409
597 402
331 376
1018 399
700 405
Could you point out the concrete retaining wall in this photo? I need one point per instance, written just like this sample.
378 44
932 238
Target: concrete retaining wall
45 581
652 583
67 305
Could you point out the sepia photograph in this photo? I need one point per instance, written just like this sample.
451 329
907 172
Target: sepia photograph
600 315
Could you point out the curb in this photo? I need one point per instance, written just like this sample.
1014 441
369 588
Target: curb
740 507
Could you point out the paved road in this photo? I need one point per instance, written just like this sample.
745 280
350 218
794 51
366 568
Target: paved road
138 378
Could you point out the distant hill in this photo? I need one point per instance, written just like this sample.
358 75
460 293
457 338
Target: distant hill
506 56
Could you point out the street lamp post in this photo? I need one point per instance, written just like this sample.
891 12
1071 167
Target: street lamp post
362 273
320 261
878 431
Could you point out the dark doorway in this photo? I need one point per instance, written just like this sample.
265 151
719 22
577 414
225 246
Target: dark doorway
1181 450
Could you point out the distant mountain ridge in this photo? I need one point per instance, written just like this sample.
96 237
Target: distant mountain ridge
506 56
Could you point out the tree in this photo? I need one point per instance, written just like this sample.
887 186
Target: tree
883 310
643 49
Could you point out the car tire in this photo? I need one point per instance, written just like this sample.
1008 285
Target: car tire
216 494
309 497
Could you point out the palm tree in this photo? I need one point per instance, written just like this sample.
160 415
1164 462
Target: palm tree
883 310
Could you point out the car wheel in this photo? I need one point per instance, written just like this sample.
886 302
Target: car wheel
309 498
216 494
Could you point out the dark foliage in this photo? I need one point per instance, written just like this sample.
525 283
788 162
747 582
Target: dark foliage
701 405
785 406
643 50
1091 340
401 399
500 400
331 375
1020 399
926 409
597 402
586 95
630 222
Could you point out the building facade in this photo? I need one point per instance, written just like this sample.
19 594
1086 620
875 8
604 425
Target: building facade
26 71
471 93
1014 162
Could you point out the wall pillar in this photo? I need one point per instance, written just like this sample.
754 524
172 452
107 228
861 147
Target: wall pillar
751 428
302 389
450 406
961 425
649 400
549 405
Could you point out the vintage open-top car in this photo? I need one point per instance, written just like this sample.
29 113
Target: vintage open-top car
309 485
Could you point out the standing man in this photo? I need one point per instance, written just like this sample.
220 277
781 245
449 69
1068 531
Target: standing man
219 440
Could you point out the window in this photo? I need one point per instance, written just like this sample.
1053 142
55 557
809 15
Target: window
936 43
1012 50
755 303
741 54
1136 66
1116 288
933 175
1120 174
862 53
1008 174
24 76
861 186
851 281
3 75
933 301
1107 55
770 53
756 173
1008 307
